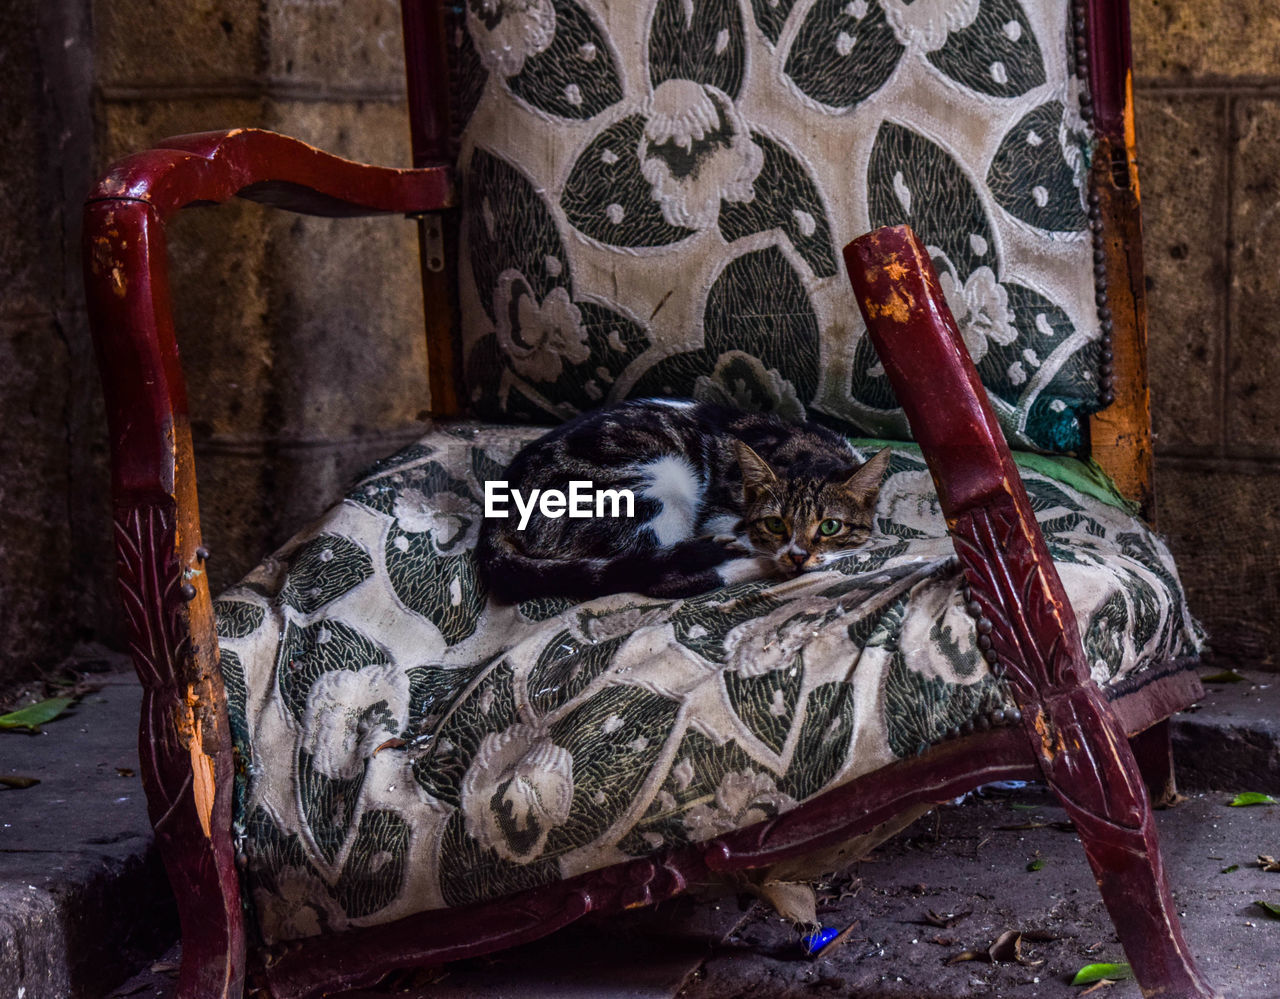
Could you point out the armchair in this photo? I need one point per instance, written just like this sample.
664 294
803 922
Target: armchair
356 761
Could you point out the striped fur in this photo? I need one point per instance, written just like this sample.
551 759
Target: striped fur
721 496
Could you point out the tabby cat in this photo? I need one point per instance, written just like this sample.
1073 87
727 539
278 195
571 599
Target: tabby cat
720 495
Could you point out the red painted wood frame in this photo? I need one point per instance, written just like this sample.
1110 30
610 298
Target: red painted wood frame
1072 737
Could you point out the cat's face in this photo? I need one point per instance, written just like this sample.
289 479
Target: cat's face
803 523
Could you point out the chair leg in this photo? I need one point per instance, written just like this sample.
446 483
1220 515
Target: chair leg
1153 749
1096 776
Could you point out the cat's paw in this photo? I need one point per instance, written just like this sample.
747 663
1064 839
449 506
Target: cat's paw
741 570
732 544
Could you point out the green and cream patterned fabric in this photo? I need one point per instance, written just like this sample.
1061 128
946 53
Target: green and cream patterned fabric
656 192
407 745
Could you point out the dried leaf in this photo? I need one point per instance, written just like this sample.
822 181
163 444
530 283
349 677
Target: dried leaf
1091 973
124 771
969 955
1269 864
943 922
35 715
1023 825
19 783
1007 947
390 744
944 941
1101 984
1251 798
793 900
1270 908
1226 676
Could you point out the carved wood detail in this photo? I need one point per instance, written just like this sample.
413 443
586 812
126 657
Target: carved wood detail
1017 596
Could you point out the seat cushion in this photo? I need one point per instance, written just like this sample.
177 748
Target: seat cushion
655 196
407 744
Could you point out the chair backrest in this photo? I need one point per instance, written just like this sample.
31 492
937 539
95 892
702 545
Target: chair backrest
655 195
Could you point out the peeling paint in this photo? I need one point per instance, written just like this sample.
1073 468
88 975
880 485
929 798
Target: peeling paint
1130 135
203 786
895 270
203 783
896 307
1044 729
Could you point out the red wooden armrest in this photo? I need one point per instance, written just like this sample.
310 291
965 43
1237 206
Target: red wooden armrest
184 737
1025 625
208 167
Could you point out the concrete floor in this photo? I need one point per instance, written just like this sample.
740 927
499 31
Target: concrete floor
75 847
970 858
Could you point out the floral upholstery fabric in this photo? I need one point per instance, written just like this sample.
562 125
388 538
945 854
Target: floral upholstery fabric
405 744
655 195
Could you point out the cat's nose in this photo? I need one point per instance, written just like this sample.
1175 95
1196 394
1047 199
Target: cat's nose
797 558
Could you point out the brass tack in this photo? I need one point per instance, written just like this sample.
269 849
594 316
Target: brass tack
974 608
1104 313
966 728
983 723
997 717
990 655
984 626
953 732
984 642
187 591
203 553
1013 715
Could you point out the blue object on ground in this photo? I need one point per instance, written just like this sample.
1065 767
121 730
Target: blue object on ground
814 942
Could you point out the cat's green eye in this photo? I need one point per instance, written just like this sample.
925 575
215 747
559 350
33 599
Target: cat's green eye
829 527
774 525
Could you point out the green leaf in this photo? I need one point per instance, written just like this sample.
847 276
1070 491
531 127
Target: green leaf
1025 808
1247 798
1270 908
1228 870
1036 864
1226 676
1091 973
35 715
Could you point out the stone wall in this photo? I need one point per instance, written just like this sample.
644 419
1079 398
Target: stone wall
55 541
302 341
1207 79
302 338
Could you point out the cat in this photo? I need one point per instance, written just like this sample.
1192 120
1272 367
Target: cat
720 495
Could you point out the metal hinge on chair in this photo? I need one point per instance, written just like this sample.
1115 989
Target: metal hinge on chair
430 239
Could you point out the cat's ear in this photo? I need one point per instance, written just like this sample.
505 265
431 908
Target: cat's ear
756 473
865 482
